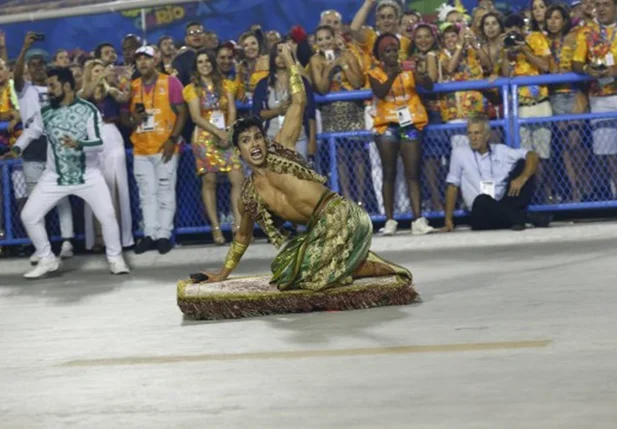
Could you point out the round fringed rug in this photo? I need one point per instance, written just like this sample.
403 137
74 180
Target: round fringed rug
254 296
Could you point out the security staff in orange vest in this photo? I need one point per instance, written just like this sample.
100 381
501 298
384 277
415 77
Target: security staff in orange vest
157 115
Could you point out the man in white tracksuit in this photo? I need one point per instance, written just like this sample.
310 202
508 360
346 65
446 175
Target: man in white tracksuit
73 127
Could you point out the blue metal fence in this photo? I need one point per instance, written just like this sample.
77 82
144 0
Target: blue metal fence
359 157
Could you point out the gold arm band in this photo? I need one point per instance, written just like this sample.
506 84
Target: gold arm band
236 250
296 84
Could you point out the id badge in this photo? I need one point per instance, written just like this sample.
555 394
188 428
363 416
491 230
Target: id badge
609 60
487 187
404 116
218 119
148 124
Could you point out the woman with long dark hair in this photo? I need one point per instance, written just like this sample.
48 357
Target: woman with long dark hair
567 98
272 99
399 121
213 108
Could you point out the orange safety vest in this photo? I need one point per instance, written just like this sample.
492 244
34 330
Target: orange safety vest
148 140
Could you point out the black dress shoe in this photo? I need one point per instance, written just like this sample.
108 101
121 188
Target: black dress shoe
518 227
540 220
144 245
163 245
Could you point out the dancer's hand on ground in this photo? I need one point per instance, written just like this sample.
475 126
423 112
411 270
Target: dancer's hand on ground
448 226
211 277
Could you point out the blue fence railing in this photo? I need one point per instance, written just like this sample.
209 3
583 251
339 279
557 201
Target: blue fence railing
352 165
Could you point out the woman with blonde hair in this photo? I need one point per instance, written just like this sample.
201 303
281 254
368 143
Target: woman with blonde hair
213 108
100 88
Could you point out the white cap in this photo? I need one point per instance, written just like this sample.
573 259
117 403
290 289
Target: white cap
145 50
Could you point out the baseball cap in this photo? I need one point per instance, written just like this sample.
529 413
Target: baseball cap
36 52
145 50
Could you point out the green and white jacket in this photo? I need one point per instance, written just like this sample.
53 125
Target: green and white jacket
81 121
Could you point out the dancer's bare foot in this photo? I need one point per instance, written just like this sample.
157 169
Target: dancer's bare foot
372 269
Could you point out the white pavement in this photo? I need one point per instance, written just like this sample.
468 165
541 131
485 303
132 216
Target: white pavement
508 337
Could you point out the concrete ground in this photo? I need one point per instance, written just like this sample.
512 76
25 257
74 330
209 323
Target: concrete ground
508 336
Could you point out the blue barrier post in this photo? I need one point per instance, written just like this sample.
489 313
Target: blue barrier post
332 149
515 140
6 193
507 130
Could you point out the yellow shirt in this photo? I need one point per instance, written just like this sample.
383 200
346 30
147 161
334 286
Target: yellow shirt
403 93
539 45
591 46
460 104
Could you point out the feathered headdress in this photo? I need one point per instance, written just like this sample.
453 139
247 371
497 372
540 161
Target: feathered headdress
445 9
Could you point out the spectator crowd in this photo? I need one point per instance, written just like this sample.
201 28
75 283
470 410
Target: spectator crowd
159 97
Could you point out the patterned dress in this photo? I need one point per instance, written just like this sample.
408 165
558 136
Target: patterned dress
209 156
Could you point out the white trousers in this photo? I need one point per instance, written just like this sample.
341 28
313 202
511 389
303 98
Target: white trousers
113 167
46 195
156 181
33 170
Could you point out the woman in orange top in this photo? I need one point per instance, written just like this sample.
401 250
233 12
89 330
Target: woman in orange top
213 108
399 121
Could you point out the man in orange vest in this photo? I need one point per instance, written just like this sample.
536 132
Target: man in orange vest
157 115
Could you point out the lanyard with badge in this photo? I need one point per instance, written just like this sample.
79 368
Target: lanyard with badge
284 96
609 60
556 50
487 187
403 114
148 125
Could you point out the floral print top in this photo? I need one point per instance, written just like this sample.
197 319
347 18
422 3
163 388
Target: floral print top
593 43
460 104
539 45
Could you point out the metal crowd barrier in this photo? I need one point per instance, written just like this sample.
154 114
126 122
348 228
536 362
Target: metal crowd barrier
351 163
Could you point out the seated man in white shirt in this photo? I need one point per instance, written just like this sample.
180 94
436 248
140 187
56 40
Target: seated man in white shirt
496 182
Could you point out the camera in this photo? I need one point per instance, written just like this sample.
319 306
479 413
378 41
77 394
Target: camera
140 108
39 37
512 39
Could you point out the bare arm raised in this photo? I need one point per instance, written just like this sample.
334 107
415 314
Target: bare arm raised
292 126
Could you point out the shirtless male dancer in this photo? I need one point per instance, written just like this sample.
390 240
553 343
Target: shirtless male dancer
334 250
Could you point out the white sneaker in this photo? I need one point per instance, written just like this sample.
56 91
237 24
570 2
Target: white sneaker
44 267
421 227
66 251
118 266
390 227
34 259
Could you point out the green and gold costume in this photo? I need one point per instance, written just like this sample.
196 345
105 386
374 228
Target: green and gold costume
336 241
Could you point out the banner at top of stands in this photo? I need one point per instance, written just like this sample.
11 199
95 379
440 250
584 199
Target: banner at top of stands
228 18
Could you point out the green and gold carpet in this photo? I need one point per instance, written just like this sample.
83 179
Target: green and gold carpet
253 296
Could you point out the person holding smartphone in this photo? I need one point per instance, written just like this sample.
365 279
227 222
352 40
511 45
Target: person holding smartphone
336 69
399 121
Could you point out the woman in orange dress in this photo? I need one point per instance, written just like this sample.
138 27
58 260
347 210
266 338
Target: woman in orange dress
213 108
